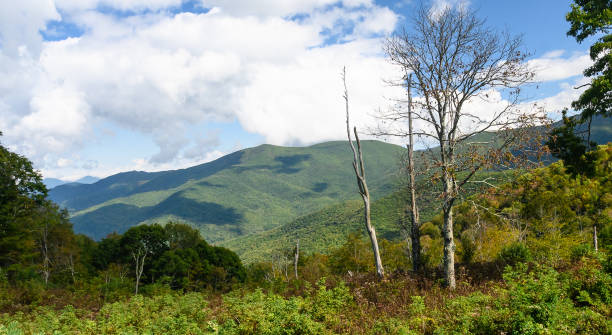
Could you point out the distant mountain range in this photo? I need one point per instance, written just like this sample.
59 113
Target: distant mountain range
54 182
256 201
245 192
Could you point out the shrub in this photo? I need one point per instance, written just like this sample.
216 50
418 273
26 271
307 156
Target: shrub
260 313
514 253
580 251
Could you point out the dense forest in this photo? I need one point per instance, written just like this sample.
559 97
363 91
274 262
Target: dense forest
527 251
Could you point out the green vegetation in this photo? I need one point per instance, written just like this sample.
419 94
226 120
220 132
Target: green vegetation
540 300
533 247
588 19
325 230
526 266
592 18
245 192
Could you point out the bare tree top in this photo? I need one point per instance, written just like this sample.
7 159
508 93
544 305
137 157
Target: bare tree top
456 59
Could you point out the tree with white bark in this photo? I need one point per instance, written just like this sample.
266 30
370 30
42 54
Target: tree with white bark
142 243
359 168
457 64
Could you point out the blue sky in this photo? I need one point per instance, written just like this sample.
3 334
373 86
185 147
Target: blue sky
96 87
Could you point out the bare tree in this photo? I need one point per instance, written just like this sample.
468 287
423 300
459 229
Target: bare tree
359 169
296 258
139 255
457 61
45 251
415 224
595 246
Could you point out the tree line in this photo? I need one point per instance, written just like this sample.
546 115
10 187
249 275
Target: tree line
37 244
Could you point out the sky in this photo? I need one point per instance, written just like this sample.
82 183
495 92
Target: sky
97 87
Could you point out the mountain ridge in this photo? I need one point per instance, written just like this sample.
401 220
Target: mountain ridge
246 191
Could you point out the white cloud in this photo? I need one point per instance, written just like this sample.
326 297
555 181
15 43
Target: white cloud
563 99
278 8
57 119
20 22
553 66
379 20
202 146
438 6
301 102
133 5
157 74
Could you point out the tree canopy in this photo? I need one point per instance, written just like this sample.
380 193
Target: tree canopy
590 18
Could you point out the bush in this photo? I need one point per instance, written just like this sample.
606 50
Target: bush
260 313
538 302
514 253
580 251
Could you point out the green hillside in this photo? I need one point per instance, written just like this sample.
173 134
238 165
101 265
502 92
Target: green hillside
328 228
248 191
320 231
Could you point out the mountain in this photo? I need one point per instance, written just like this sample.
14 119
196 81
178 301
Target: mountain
87 180
245 192
53 182
326 229
252 191
323 230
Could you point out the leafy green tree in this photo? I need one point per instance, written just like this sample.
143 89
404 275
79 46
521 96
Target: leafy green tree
178 267
587 18
226 265
566 145
142 242
593 18
86 250
353 256
22 192
54 240
107 251
181 236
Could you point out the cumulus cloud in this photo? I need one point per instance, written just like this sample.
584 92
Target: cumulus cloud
301 102
553 66
439 6
20 22
279 8
156 73
272 65
124 5
568 92
202 146
266 8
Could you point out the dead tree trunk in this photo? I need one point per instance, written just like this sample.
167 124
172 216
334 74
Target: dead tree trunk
595 237
359 169
139 258
415 225
71 268
296 258
44 248
449 240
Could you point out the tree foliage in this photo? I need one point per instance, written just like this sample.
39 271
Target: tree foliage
565 144
593 18
38 245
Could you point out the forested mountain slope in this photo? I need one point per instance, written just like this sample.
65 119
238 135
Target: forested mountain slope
327 228
244 192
